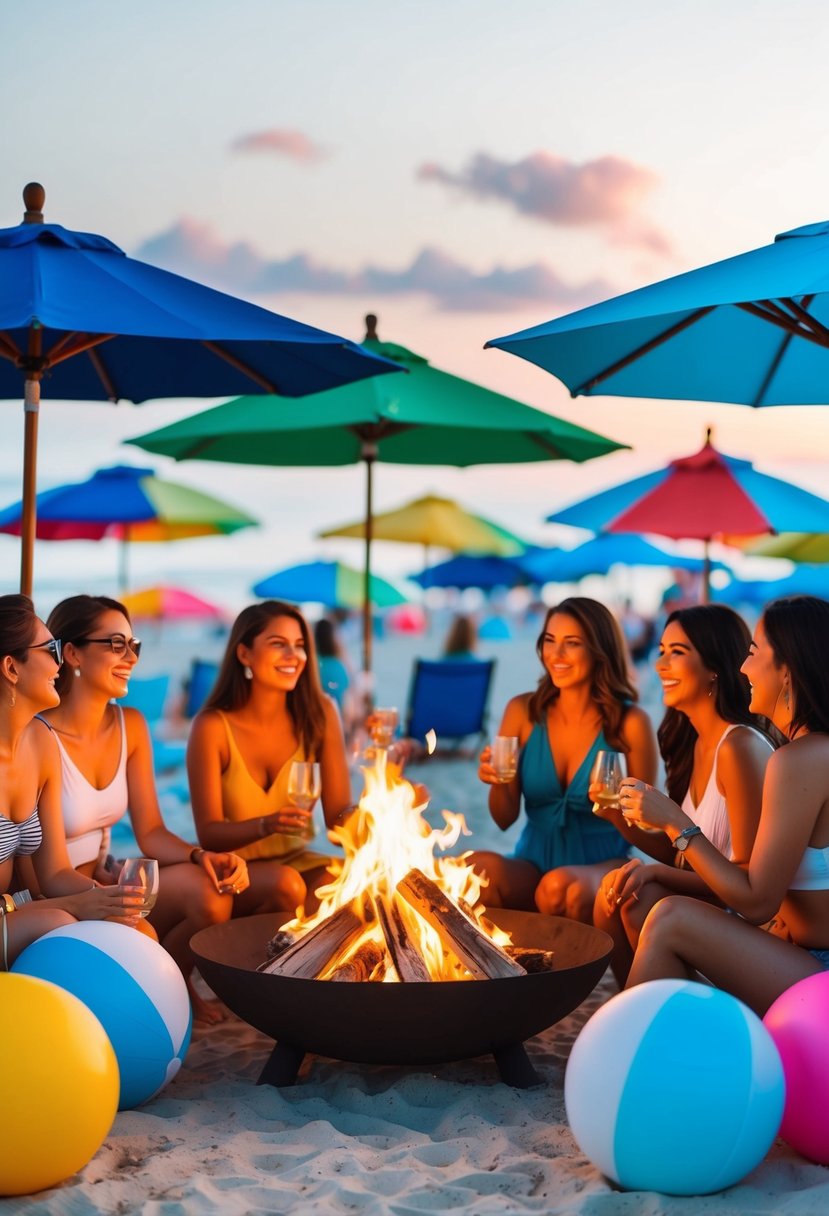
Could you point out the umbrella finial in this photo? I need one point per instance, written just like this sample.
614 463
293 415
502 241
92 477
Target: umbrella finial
34 196
371 328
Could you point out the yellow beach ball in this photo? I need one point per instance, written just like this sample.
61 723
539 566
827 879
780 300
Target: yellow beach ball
58 1084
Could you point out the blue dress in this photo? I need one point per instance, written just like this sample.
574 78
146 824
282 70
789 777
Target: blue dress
561 828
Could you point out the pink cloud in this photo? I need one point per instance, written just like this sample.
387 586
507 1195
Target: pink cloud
281 142
193 249
605 192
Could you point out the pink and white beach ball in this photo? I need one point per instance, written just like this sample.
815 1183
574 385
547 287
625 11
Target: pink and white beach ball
676 1087
133 987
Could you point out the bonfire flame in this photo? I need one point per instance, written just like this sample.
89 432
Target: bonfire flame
383 841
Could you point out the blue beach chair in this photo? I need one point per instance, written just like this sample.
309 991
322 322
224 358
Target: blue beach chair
449 697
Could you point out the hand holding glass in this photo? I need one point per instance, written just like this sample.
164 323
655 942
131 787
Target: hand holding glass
505 757
607 772
141 872
304 788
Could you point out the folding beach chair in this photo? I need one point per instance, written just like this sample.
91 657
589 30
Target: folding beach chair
450 697
202 677
149 695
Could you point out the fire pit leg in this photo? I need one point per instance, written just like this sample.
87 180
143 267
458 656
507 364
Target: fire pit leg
283 1065
515 1068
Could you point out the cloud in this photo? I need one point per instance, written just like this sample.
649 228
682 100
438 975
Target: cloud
193 249
604 192
280 142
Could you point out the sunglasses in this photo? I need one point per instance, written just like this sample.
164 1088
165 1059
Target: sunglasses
118 644
54 646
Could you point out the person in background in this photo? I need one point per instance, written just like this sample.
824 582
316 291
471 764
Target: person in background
31 830
715 760
266 710
584 703
780 894
461 639
335 674
107 772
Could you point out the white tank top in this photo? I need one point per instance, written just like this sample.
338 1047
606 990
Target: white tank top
711 813
88 813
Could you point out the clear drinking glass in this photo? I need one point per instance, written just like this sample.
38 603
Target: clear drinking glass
141 872
505 757
607 772
304 788
384 725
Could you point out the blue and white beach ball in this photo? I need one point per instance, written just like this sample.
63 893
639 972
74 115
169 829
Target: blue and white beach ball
676 1087
133 987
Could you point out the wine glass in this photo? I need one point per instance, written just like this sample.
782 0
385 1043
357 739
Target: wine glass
505 757
607 772
383 725
141 872
304 788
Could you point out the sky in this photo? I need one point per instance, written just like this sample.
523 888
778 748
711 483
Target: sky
462 168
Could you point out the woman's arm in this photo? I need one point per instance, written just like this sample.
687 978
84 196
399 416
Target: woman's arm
505 797
153 836
207 756
641 757
741 769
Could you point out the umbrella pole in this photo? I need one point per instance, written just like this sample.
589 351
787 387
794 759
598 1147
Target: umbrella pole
28 522
706 574
369 455
123 561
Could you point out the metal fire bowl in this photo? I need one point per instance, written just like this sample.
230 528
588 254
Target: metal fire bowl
420 1023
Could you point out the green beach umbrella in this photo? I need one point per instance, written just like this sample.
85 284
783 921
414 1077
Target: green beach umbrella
428 417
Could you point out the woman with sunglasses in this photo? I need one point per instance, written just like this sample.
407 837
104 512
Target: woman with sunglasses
107 770
30 788
266 710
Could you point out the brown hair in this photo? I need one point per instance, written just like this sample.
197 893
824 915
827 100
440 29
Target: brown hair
461 637
74 620
611 686
18 625
797 629
305 702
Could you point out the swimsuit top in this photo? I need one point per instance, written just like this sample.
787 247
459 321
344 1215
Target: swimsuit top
711 812
243 798
20 839
88 813
813 871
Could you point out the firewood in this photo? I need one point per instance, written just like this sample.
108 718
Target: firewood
312 953
281 940
531 959
482 958
361 966
407 959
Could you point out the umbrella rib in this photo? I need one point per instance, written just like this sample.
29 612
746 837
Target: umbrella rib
803 325
645 349
66 348
8 350
103 375
243 367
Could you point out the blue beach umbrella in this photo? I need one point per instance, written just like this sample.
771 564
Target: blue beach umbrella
803 580
331 583
751 329
596 556
95 325
473 570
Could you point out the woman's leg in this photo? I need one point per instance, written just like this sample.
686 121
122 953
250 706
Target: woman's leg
25 926
624 924
511 881
188 901
571 890
682 936
274 887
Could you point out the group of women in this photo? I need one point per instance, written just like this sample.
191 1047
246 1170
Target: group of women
732 863
725 876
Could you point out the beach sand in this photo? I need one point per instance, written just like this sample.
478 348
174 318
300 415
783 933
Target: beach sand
351 1138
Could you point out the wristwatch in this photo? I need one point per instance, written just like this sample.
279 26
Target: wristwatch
681 841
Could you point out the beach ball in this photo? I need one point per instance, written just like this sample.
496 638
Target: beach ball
798 1021
676 1087
133 987
58 1084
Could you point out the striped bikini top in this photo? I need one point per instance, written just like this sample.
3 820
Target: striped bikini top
20 839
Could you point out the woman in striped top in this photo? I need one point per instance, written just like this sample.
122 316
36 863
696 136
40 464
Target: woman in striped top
30 818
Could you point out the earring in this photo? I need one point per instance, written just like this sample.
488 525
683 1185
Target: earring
711 689
76 672
248 672
13 699
786 695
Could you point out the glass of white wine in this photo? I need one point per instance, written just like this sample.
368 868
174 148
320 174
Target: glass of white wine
607 772
304 788
384 724
141 872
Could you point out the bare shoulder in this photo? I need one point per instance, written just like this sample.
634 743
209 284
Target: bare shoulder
809 753
135 723
42 743
744 744
517 714
636 725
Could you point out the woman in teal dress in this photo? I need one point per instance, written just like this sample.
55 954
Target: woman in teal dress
584 703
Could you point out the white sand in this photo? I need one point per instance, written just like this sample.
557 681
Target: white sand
350 1138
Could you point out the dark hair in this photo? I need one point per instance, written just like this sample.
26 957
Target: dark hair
74 620
325 637
305 702
461 637
611 687
797 628
18 626
721 638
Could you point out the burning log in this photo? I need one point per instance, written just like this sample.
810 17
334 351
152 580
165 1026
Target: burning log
407 959
312 953
361 966
281 940
482 958
532 960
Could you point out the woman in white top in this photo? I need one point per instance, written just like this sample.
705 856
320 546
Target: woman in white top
107 770
780 891
715 760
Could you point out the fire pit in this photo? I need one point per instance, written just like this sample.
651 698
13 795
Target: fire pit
404 1023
